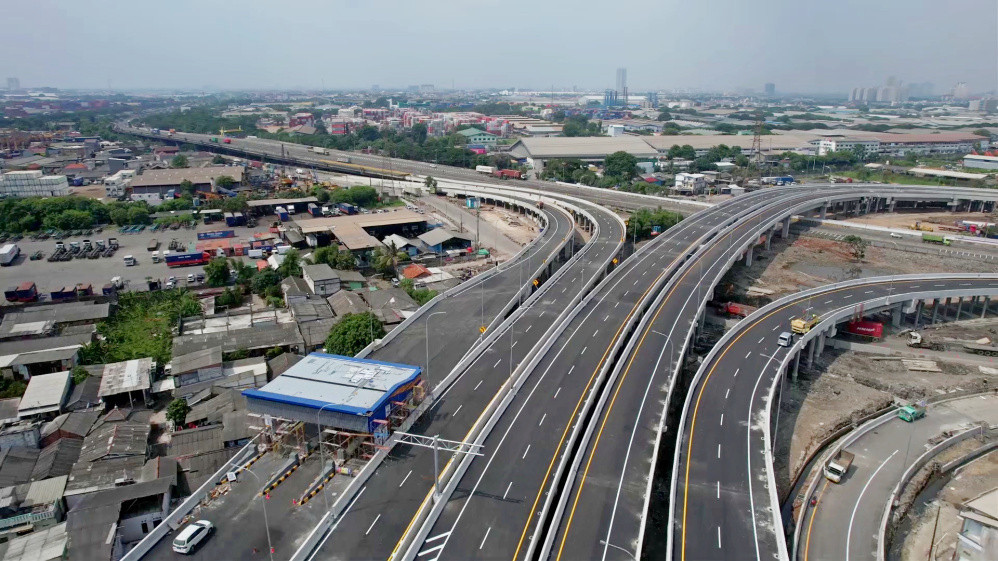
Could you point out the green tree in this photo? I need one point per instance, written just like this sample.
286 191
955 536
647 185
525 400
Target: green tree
621 165
244 272
420 295
353 333
138 215
177 411
229 298
386 259
664 116
857 246
218 159
179 161
216 272
431 184
291 266
225 182
644 221
264 280
80 374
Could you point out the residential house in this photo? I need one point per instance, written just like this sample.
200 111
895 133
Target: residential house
321 279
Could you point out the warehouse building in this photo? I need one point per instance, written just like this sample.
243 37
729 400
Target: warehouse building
975 161
358 396
154 185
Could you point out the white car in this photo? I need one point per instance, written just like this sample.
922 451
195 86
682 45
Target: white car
786 339
896 235
191 536
190 277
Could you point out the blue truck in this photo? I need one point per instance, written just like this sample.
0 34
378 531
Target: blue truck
282 213
346 208
314 209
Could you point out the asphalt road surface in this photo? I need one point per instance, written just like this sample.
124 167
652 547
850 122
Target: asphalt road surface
492 511
854 507
384 507
722 501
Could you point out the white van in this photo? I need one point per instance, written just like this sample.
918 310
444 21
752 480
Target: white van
155 257
191 536
786 339
129 260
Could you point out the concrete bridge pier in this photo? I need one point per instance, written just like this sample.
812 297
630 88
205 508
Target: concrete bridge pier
935 311
785 232
748 256
796 367
821 343
890 208
810 352
769 238
824 211
896 315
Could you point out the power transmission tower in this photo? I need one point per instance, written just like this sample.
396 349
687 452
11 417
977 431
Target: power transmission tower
757 140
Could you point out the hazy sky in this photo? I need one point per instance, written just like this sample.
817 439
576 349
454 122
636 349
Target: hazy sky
801 45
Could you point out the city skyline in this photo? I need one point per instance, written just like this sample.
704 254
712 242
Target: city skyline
399 44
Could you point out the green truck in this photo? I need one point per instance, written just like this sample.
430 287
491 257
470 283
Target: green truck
911 412
935 238
213 139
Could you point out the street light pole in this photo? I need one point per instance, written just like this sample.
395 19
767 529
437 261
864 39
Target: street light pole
426 323
266 524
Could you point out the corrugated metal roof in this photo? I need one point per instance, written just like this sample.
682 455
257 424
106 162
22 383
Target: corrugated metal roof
130 375
190 442
171 177
204 358
343 383
57 459
45 491
48 544
45 393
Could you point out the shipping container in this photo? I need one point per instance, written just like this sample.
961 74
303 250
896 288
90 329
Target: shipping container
216 235
240 218
230 220
314 209
484 169
64 293
24 292
282 213
8 254
187 259
346 208
873 330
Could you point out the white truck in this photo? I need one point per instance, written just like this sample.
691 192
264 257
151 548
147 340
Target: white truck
837 467
487 170
320 150
8 253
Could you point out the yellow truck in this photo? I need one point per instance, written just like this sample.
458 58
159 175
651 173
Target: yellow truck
805 323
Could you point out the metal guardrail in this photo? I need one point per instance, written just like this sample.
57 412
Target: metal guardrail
828 320
172 521
345 498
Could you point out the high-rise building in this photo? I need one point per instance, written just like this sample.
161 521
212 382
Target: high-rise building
770 89
961 91
622 85
13 84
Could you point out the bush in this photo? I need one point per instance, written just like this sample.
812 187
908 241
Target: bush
177 411
80 374
353 333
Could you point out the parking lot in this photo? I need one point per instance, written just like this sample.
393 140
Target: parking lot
53 275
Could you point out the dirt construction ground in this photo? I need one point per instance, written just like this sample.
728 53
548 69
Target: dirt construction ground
844 385
929 217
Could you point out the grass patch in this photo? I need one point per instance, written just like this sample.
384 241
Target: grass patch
142 326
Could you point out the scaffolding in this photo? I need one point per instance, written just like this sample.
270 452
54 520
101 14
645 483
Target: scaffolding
345 445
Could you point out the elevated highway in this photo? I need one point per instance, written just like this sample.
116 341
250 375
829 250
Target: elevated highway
724 502
368 165
379 512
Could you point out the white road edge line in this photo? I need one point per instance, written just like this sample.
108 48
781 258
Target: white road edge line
859 499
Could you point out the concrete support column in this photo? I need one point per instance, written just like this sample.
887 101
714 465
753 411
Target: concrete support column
824 211
748 257
796 366
918 313
810 352
785 232
959 307
891 207
984 309
935 311
896 315
821 343
869 205
769 238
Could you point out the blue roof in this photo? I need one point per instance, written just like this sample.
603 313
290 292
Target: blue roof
338 383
